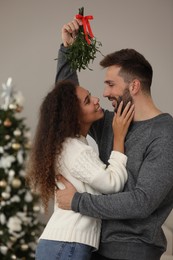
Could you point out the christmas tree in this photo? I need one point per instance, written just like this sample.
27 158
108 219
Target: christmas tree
19 224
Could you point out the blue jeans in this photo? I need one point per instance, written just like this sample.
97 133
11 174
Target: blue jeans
58 250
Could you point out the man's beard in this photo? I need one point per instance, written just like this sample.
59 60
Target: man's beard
126 97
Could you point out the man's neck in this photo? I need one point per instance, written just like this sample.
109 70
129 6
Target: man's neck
145 109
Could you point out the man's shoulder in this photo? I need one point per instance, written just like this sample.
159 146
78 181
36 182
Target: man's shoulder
163 126
72 148
164 121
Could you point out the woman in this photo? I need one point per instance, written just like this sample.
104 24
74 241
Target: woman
60 147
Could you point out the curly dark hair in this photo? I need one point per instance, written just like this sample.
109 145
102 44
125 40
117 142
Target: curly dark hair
58 119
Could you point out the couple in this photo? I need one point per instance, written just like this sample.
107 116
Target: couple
132 219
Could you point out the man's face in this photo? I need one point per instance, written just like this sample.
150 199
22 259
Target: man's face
116 89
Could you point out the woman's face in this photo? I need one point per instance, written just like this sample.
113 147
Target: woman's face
90 107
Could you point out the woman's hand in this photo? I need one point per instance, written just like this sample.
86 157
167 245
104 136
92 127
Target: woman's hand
120 125
69 32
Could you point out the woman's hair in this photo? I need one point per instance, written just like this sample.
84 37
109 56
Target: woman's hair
132 65
58 119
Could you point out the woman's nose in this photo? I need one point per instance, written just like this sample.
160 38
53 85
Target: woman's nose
96 100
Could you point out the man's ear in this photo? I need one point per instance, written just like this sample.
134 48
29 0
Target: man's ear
135 87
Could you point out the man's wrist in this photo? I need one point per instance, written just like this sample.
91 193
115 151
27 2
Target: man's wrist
75 201
63 48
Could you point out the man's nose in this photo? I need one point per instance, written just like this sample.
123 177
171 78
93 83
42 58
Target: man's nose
106 92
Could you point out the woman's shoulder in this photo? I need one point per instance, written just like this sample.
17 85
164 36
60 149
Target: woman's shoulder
73 148
75 145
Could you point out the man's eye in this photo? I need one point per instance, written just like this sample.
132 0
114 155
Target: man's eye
109 84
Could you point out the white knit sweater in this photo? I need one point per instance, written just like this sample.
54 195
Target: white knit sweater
81 165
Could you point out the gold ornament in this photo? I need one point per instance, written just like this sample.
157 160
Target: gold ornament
3 183
7 122
24 247
16 146
16 183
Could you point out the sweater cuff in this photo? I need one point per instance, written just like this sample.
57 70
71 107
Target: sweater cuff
118 156
63 49
75 201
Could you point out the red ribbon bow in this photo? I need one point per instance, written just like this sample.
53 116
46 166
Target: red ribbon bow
86 26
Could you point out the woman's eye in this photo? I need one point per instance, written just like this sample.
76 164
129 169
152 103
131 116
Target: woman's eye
88 101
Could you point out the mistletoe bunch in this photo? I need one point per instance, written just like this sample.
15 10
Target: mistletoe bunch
84 49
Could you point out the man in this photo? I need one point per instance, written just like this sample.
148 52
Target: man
132 219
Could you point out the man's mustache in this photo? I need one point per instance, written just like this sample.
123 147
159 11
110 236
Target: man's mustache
118 100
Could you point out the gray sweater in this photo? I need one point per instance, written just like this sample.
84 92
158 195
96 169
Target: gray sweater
132 219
